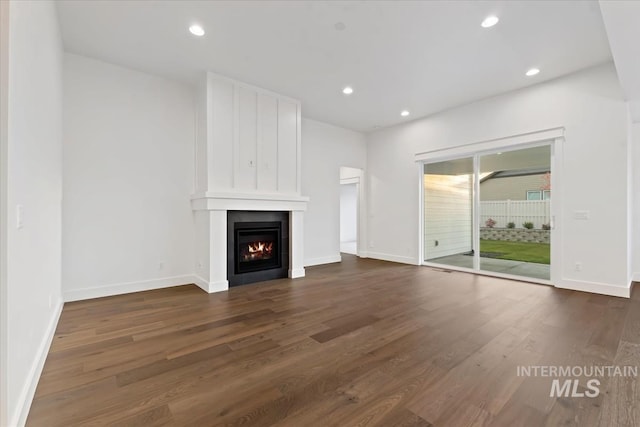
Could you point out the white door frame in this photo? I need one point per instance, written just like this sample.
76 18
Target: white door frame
552 137
356 181
361 207
4 119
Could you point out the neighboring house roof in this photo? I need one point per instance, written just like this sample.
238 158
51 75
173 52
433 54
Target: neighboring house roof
512 173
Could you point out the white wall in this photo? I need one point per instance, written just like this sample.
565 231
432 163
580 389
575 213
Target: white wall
128 176
587 104
325 148
35 183
348 212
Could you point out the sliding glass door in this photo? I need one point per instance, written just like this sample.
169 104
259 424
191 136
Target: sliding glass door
490 212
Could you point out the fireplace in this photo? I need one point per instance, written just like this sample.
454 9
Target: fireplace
258 246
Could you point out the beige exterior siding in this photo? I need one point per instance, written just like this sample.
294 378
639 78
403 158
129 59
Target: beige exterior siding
448 215
511 188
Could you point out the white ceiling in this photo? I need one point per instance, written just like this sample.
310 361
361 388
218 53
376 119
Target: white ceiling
622 21
423 56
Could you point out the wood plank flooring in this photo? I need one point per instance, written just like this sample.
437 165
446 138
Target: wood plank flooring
361 343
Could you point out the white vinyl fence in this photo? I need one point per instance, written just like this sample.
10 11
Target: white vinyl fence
516 211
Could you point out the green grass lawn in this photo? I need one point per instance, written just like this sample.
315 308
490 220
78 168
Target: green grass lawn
517 251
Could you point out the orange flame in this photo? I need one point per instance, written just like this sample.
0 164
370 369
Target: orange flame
259 250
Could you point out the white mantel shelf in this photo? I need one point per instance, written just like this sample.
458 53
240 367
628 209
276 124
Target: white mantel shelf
248 201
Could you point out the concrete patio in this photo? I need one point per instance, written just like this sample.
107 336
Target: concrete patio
518 268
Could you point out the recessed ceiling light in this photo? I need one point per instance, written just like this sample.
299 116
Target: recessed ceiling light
348 90
404 113
196 30
532 72
490 21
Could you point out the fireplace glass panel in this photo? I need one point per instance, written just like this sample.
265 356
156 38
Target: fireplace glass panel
257 249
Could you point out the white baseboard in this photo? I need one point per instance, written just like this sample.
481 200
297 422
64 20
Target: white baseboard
635 277
210 287
322 260
595 287
296 273
19 417
126 288
393 258
201 282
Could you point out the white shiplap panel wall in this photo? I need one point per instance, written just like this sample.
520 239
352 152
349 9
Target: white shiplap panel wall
220 129
246 163
287 147
268 143
251 139
448 215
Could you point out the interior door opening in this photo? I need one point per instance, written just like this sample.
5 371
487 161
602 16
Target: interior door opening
350 209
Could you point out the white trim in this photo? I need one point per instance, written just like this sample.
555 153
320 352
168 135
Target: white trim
393 258
512 141
19 417
201 282
322 260
210 287
595 287
361 205
298 147
552 137
126 288
4 118
557 233
248 201
250 196
634 110
296 273
475 210
488 273
421 219
346 181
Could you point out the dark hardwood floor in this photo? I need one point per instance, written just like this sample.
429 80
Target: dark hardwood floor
359 343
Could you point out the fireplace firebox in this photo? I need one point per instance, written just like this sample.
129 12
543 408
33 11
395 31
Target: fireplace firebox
258 246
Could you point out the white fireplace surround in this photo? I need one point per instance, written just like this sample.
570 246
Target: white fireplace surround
214 207
248 158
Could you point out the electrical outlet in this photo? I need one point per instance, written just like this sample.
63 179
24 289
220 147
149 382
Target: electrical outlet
199 265
161 265
578 266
